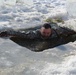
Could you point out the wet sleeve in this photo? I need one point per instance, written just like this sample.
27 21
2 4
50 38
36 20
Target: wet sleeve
31 34
23 34
65 32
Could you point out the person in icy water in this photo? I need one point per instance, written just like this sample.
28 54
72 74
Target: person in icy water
45 32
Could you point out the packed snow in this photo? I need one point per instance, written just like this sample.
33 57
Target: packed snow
17 60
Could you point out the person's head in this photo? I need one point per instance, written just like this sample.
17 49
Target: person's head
46 30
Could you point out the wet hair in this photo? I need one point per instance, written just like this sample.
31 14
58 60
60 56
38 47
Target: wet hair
46 25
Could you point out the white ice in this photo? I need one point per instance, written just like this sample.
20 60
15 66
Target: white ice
17 60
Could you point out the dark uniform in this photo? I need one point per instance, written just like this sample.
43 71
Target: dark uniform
35 34
30 34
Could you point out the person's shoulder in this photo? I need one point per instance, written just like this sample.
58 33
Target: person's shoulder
54 33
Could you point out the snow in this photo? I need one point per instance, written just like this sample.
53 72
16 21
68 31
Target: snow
71 4
17 60
68 67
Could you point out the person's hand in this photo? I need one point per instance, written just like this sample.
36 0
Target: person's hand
3 34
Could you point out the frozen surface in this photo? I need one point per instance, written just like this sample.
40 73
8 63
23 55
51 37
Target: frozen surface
17 60
71 4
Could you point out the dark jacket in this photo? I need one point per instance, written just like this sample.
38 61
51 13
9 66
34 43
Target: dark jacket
35 34
31 34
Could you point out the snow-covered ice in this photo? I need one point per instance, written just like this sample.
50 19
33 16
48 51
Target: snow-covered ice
71 4
17 60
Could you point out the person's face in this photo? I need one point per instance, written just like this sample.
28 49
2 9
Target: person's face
45 32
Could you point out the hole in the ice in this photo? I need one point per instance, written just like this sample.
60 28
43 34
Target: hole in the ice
40 45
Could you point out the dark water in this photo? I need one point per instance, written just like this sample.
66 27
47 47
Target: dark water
18 60
40 45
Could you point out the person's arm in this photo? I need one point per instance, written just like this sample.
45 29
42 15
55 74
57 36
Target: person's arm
65 32
19 34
